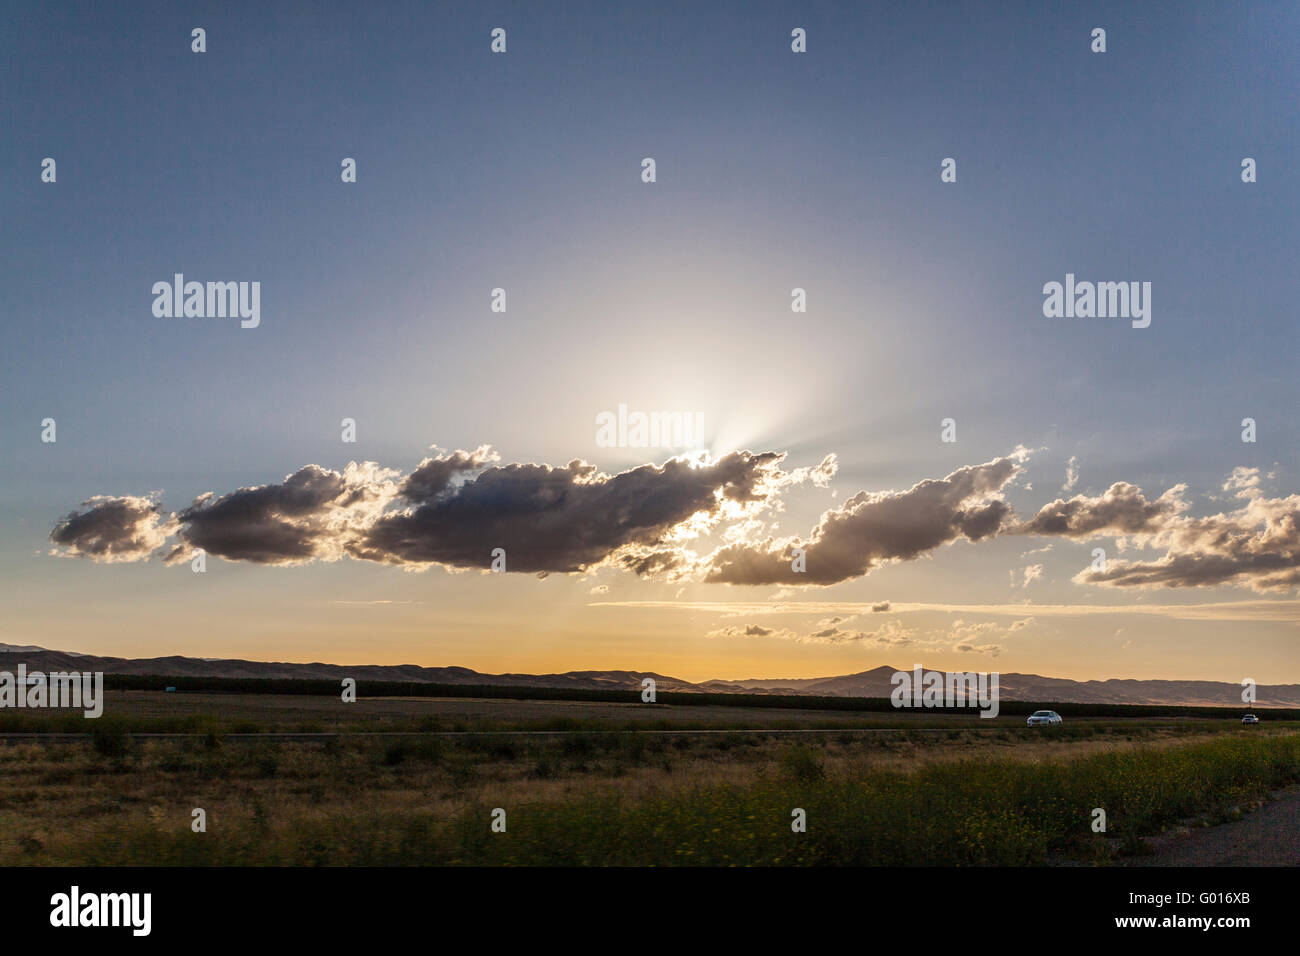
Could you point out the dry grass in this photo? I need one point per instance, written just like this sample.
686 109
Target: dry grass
66 803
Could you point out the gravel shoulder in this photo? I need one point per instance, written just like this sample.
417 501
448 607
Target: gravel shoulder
1270 836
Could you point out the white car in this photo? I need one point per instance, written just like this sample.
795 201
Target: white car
1250 719
1040 717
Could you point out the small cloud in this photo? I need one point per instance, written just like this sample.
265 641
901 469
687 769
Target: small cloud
1071 473
991 649
113 530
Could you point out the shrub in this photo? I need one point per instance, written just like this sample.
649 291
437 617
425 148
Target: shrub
110 741
800 764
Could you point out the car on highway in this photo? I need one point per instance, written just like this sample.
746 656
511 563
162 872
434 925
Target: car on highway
1250 719
1040 717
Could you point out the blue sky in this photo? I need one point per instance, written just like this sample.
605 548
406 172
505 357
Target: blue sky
774 170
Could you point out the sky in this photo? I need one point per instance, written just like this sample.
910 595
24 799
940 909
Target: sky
821 429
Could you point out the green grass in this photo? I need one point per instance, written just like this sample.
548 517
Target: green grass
987 811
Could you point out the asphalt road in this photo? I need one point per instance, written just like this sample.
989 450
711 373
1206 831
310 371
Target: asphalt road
1270 836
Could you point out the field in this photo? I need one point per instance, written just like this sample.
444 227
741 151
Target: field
307 780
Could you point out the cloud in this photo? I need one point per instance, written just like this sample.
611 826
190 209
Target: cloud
1071 473
968 648
452 510
972 638
965 637
1243 483
891 634
819 475
1122 509
1246 565
648 563
874 528
1253 610
1257 546
311 515
113 530
434 476
559 519
757 630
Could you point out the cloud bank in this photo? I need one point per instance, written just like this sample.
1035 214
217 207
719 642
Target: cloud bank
455 509
452 510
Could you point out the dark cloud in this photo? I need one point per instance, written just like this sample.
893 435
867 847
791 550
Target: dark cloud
567 519
452 510
1122 510
110 530
1263 572
309 516
650 563
872 528
433 476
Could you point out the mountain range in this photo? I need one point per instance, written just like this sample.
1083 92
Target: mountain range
876 682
